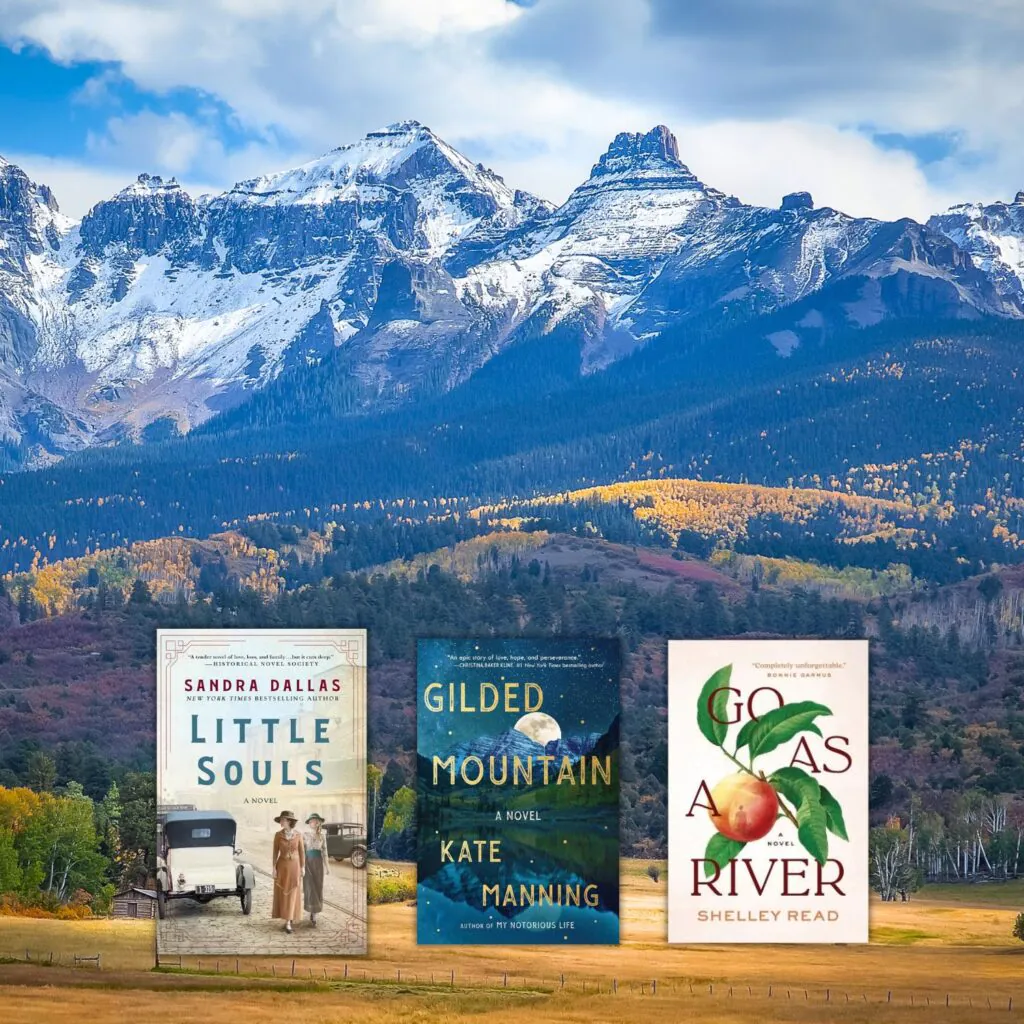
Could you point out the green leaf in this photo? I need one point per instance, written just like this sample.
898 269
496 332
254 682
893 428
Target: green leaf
781 724
795 785
721 849
810 820
743 738
833 814
714 731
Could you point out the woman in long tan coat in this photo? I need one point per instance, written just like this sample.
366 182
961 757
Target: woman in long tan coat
289 867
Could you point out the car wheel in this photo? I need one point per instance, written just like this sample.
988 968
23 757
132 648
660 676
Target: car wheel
359 857
161 904
247 902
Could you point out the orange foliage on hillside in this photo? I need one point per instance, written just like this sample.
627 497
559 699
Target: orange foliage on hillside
722 509
169 566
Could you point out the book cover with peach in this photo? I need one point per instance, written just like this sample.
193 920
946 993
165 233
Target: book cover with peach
768 791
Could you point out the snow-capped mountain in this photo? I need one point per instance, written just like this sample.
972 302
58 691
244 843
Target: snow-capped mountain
994 237
513 743
643 245
159 306
160 309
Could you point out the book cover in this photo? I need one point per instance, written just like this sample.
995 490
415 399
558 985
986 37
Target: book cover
518 791
768 791
261 791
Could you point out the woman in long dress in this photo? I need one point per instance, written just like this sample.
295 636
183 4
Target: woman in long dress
289 867
315 841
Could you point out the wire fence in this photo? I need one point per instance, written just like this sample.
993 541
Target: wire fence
296 971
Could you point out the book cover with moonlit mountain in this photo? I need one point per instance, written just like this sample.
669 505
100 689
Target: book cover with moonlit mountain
518 791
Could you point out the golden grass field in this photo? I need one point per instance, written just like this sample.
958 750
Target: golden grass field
948 940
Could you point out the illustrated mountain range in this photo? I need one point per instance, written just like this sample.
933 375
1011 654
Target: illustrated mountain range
408 268
513 743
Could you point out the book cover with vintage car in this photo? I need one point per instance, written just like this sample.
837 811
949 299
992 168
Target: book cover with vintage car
261 782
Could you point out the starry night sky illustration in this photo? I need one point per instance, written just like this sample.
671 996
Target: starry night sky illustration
581 699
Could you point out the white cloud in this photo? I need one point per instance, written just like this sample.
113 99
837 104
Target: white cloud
760 98
174 144
79 186
843 169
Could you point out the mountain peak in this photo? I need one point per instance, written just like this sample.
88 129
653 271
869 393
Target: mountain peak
385 155
146 184
631 151
402 128
797 201
1018 199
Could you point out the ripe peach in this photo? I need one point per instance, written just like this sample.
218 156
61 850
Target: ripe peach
747 807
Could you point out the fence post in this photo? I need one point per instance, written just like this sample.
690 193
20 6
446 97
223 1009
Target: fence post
293 968
615 986
654 986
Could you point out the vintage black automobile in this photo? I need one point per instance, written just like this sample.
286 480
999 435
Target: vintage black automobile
196 860
346 839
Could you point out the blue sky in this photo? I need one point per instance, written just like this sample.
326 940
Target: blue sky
875 109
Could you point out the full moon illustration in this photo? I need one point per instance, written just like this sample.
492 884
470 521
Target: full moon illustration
539 727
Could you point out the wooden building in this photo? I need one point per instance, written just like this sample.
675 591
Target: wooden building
134 902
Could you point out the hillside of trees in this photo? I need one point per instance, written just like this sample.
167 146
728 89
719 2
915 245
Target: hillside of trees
932 420
76 692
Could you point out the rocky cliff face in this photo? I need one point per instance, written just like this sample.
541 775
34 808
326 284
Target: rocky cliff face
993 235
420 265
